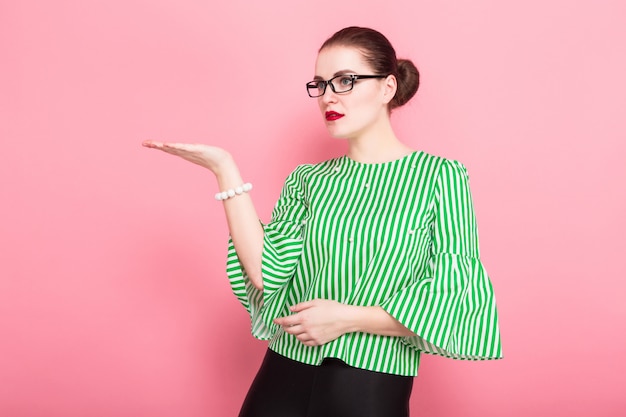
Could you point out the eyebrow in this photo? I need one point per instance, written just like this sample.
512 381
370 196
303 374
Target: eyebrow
342 72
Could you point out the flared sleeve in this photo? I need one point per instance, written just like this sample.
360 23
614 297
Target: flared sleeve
452 308
282 248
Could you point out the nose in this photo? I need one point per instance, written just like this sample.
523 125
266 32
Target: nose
329 95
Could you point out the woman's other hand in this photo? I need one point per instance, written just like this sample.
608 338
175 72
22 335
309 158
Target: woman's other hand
210 157
317 322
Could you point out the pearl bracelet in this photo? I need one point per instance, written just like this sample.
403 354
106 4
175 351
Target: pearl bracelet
225 195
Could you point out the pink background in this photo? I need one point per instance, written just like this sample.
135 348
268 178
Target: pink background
113 295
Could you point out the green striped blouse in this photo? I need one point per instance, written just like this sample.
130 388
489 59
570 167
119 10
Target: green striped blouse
400 235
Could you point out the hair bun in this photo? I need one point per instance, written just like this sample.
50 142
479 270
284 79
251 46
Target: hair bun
408 82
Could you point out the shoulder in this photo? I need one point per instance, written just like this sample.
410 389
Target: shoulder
452 182
440 166
454 169
445 166
307 170
302 175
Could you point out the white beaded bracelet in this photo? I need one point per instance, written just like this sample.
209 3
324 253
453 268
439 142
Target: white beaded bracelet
225 195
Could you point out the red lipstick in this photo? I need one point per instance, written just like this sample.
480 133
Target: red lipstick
333 115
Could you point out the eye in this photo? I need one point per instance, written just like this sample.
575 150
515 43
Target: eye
345 81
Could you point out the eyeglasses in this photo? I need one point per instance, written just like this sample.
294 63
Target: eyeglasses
339 84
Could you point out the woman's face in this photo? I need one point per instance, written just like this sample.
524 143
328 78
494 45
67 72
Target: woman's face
357 112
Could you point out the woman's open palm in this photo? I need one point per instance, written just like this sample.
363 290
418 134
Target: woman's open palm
210 157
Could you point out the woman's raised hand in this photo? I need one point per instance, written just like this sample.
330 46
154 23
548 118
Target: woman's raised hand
243 223
210 157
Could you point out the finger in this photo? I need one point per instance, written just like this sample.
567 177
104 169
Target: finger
309 341
304 338
164 146
287 321
178 146
302 306
297 330
152 144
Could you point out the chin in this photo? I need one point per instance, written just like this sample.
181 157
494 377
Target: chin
337 134
340 137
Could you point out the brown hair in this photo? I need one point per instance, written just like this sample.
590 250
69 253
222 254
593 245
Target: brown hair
380 55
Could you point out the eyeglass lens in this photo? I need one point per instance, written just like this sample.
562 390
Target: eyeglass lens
339 84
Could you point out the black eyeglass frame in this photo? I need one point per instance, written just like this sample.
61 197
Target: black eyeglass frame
314 85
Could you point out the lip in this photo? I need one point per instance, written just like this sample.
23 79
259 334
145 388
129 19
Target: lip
333 115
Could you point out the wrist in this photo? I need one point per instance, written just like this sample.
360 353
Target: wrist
375 320
227 174
224 165
354 318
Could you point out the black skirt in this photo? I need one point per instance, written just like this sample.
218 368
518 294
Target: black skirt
287 388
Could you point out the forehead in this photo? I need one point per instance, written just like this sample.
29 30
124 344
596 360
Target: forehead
334 59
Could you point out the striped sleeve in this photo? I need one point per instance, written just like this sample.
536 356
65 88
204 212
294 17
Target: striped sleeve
452 310
282 247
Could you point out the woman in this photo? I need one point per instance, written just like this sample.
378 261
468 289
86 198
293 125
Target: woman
369 259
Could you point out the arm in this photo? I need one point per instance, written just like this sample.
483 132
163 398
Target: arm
317 322
243 223
376 320
452 309
282 249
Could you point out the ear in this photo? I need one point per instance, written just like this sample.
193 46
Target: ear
390 88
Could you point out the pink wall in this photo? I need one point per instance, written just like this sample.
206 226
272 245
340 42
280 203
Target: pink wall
113 296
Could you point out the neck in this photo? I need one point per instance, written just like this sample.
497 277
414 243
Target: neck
376 146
